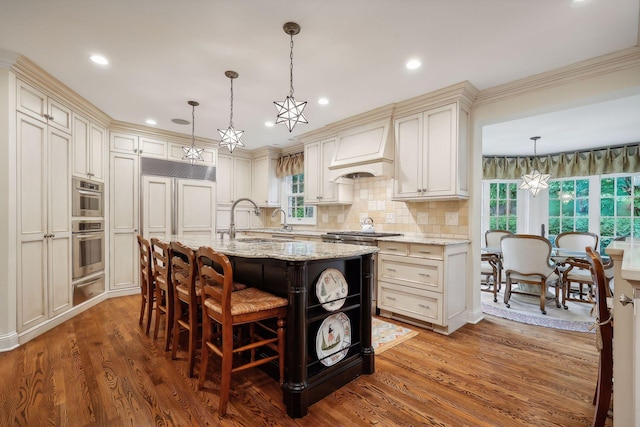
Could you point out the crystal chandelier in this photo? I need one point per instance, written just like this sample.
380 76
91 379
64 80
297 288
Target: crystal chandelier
193 153
535 181
230 137
289 110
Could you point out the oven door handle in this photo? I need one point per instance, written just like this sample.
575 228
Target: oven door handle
89 193
87 236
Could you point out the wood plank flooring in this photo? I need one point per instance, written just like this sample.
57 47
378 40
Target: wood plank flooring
99 369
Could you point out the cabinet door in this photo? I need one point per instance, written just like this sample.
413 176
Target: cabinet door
124 220
266 186
327 188
157 203
196 208
440 142
242 178
32 221
97 152
153 148
31 101
177 153
59 222
312 173
408 176
81 147
224 179
123 143
59 116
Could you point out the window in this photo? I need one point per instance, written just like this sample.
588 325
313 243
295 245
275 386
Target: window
503 206
568 206
619 208
293 201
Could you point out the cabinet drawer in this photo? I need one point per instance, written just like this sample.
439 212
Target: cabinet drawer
418 304
393 248
426 251
417 273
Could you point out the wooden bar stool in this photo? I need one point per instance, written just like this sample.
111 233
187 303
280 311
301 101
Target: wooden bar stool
227 309
164 291
186 299
147 283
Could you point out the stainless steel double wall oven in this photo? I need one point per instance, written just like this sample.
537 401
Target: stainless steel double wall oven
88 239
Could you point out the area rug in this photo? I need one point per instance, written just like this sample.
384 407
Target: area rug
576 318
386 335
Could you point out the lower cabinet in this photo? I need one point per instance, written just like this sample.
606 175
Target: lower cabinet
424 284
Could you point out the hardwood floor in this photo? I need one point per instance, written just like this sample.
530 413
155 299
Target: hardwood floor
99 369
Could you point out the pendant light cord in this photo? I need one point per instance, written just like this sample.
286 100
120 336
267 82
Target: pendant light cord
193 125
231 109
291 68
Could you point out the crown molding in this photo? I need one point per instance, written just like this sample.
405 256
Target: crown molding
8 58
31 73
463 92
590 68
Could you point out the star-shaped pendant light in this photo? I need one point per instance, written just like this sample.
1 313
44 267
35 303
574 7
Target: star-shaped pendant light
535 181
290 110
230 137
193 153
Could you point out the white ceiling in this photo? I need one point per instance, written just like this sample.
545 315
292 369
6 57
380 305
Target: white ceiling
166 52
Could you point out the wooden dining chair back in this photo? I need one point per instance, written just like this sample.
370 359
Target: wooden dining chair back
186 299
224 309
491 263
526 259
578 284
147 283
164 291
604 340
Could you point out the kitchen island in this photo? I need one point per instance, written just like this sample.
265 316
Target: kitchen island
328 286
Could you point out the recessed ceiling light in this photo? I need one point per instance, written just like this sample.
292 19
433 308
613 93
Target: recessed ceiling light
99 59
578 3
151 122
269 124
412 64
181 121
323 101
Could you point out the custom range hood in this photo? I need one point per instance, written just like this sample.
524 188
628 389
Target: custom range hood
366 150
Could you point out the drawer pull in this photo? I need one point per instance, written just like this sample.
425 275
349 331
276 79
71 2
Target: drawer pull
392 249
391 269
391 298
424 306
424 274
424 252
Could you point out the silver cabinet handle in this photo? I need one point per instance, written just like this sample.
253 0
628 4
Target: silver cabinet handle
424 252
391 298
391 269
392 249
423 306
624 300
424 274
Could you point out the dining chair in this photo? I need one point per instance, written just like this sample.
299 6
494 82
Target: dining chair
526 260
187 297
604 340
577 271
491 263
147 282
223 309
164 291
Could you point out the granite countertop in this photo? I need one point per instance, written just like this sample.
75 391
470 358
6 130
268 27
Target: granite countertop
404 238
257 247
630 251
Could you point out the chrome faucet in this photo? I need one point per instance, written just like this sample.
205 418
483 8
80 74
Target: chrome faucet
232 225
285 226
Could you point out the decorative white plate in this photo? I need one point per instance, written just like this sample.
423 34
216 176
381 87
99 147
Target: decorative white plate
331 289
333 339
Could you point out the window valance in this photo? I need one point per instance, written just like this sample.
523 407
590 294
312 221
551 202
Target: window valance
293 164
623 159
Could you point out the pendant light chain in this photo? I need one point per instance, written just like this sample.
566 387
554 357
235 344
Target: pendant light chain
291 68
231 109
193 124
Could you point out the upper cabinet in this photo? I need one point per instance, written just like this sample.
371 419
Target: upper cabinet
319 189
431 154
150 147
266 185
233 178
40 106
89 143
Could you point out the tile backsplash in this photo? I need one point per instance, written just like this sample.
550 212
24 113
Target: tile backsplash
372 198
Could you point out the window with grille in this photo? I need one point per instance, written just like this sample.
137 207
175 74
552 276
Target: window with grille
568 206
503 206
293 201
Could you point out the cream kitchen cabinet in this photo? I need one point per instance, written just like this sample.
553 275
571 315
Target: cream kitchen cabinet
431 154
423 284
266 185
177 153
89 144
146 146
318 189
233 178
40 106
44 221
124 219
